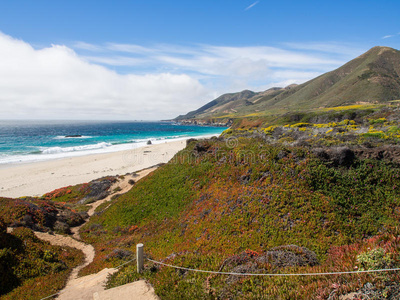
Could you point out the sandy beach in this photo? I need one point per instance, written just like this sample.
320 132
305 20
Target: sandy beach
36 179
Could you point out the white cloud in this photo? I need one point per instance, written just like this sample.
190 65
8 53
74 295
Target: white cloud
341 49
253 63
87 46
55 83
128 81
251 5
390 35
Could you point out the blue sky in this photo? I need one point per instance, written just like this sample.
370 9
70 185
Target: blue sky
157 59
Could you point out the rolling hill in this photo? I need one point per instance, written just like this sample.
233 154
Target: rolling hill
373 77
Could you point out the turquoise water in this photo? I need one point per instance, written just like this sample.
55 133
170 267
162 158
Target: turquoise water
27 141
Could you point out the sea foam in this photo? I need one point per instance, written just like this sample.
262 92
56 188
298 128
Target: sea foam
54 150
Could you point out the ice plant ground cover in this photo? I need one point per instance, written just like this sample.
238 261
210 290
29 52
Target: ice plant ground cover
221 199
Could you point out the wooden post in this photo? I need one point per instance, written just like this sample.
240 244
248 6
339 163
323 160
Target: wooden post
139 257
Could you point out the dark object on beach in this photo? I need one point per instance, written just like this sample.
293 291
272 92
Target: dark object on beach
73 136
131 181
149 142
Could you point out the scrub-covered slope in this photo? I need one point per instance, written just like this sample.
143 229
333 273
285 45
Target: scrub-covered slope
243 205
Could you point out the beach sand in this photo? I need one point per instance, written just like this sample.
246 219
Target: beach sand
36 179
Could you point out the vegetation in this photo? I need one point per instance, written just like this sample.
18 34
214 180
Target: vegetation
31 268
228 206
57 210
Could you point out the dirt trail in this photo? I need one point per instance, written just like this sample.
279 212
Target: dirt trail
123 186
84 288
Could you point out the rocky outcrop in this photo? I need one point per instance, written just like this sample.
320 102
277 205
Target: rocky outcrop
200 122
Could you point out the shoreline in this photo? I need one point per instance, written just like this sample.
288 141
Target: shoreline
35 158
38 178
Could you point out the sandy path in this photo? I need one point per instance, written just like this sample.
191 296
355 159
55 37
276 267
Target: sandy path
123 185
84 288
60 240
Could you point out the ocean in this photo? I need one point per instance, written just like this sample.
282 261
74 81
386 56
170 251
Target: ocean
30 141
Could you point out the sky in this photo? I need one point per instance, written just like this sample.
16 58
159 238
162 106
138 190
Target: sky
153 59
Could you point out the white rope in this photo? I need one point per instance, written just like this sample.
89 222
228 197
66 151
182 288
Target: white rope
74 286
263 274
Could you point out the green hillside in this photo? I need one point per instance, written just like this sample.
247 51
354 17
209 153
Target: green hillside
373 77
243 205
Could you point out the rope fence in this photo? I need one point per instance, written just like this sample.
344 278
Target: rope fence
140 267
274 274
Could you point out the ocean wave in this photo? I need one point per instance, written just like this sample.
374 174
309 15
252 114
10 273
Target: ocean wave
144 140
54 150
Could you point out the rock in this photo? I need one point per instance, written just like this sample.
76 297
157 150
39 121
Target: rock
149 142
321 154
119 253
190 141
61 227
98 189
69 217
289 256
200 148
342 156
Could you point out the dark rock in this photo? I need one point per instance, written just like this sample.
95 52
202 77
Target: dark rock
190 141
149 142
83 214
71 218
27 220
131 181
98 189
342 156
289 256
61 227
73 136
321 154
249 268
119 253
200 148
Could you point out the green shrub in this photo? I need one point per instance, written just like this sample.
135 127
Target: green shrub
375 259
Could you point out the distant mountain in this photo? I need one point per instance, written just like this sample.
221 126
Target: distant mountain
225 103
373 77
